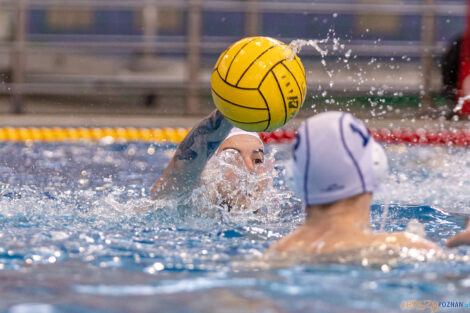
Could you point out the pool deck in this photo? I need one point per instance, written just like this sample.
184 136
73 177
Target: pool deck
88 120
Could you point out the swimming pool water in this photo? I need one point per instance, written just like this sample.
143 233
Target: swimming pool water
78 233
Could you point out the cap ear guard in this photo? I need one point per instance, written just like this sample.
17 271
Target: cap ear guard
380 163
300 170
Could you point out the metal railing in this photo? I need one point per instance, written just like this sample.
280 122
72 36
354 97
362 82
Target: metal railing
193 44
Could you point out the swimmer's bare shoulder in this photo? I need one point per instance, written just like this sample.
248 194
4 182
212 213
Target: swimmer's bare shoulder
304 241
405 239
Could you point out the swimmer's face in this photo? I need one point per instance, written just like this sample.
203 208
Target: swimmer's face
250 149
242 172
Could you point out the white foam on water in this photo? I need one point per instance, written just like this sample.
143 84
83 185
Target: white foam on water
428 175
167 287
228 187
32 308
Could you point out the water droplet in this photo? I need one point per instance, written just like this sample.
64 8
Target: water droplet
385 268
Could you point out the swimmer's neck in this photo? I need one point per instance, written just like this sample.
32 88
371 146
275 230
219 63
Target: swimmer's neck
350 213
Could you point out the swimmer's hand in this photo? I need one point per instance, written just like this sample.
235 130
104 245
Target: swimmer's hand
460 239
189 160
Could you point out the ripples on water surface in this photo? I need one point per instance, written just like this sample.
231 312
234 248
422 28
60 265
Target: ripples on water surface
79 233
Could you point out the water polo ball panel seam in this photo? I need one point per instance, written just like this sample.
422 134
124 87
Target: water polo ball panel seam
235 88
282 94
234 57
251 64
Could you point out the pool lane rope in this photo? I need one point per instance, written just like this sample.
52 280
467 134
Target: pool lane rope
175 135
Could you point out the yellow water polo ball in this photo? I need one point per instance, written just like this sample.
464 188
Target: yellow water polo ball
258 84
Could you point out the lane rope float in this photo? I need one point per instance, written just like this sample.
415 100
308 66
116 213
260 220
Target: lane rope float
418 136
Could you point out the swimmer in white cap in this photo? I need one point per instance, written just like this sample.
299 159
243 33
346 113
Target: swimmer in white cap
334 160
211 136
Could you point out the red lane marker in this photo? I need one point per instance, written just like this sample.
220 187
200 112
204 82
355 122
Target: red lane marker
418 136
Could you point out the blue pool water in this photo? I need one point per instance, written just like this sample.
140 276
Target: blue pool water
78 233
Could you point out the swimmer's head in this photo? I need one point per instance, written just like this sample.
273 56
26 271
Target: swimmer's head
334 158
236 175
248 145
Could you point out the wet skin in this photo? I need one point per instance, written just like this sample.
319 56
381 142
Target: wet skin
462 238
188 162
344 225
250 149
208 137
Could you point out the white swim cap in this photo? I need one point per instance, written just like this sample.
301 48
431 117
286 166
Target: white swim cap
237 131
380 163
334 158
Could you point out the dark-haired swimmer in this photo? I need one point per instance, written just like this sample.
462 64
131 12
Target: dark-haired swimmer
213 136
334 160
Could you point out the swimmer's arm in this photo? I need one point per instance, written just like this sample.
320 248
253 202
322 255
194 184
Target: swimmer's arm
189 160
462 238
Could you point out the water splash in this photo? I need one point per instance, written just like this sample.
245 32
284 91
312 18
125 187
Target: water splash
436 176
297 45
230 188
59 237
385 216
415 227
